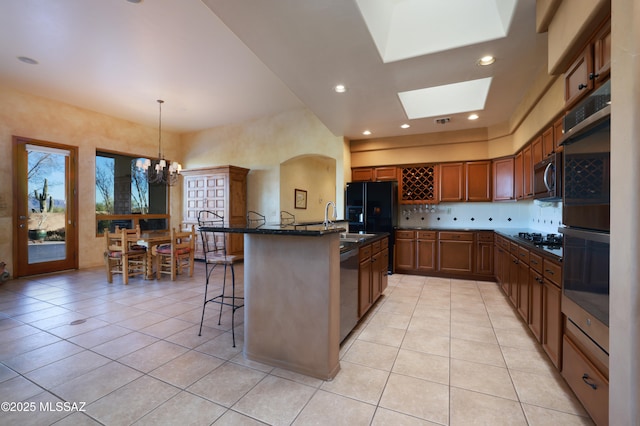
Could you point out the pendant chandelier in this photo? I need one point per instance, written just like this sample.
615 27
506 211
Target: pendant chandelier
160 171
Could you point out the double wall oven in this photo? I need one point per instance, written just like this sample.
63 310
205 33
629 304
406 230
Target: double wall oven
585 218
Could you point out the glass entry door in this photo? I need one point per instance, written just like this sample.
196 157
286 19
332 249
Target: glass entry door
46 235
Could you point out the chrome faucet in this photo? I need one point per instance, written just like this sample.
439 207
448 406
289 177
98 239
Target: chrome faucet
327 221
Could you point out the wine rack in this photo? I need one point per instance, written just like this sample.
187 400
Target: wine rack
418 184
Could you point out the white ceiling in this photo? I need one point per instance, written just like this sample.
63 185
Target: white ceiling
217 62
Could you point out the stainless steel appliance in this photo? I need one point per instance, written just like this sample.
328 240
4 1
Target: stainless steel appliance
547 178
372 207
585 217
349 267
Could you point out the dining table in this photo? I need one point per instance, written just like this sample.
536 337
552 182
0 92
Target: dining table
151 240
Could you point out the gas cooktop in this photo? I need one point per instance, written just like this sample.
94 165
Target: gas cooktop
551 241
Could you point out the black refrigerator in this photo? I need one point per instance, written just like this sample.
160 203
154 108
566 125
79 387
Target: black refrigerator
372 207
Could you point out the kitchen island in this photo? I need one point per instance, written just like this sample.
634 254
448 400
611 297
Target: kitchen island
292 296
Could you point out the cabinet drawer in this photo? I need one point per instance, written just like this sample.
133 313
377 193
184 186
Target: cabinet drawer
589 385
456 236
384 243
408 235
535 262
485 237
504 243
523 255
553 272
365 252
426 235
513 249
375 247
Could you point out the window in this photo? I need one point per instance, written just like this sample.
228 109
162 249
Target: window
124 198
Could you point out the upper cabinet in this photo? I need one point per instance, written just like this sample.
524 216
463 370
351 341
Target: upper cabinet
374 174
452 183
478 180
503 174
418 184
590 68
470 181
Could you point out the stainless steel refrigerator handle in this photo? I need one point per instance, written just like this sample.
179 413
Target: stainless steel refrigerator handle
545 176
599 237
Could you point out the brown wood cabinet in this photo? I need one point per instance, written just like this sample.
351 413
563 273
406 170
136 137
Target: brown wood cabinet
470 181
518 175
590 68
558 132
478 180
537 150
552 315
484 253
527 171
426 250
405 251
374 174
503 174
587 381
548 142
222 190
576 80
455 252
532 282
372 281
452 182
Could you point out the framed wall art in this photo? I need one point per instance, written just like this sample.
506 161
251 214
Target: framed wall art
300 197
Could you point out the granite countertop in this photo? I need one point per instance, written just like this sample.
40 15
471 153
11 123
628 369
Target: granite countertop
308 230
510 233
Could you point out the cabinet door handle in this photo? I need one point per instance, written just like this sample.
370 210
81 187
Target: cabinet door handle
585 378
549 271
582 86
593 76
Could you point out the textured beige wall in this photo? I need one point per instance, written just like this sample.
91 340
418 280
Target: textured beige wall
541 105
46 120
314 174
262 145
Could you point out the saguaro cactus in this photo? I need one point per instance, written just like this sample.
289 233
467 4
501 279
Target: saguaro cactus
44 197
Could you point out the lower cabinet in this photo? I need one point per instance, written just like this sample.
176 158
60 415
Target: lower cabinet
455 252
467 254
587 382
426 251
374 261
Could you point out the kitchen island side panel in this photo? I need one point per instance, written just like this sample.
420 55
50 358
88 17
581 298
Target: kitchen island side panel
292 302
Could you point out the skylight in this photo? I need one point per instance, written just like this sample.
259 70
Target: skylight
404 29
448 99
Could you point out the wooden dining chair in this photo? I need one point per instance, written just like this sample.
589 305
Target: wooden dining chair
123 256
172 258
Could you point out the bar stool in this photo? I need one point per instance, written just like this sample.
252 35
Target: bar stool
215 253
255 219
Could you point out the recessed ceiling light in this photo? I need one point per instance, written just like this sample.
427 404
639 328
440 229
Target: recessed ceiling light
27 60
405 126
486 60
366 132
473 117
340 88
135 1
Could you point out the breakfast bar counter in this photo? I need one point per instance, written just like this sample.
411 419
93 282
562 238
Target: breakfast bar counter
292 297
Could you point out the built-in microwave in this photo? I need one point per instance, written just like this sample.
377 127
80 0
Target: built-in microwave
547 178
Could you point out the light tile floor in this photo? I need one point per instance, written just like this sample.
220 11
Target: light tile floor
431 352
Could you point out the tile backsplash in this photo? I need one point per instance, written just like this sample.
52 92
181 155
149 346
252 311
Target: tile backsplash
544 217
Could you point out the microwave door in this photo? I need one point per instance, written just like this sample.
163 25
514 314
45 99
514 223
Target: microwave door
548 177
